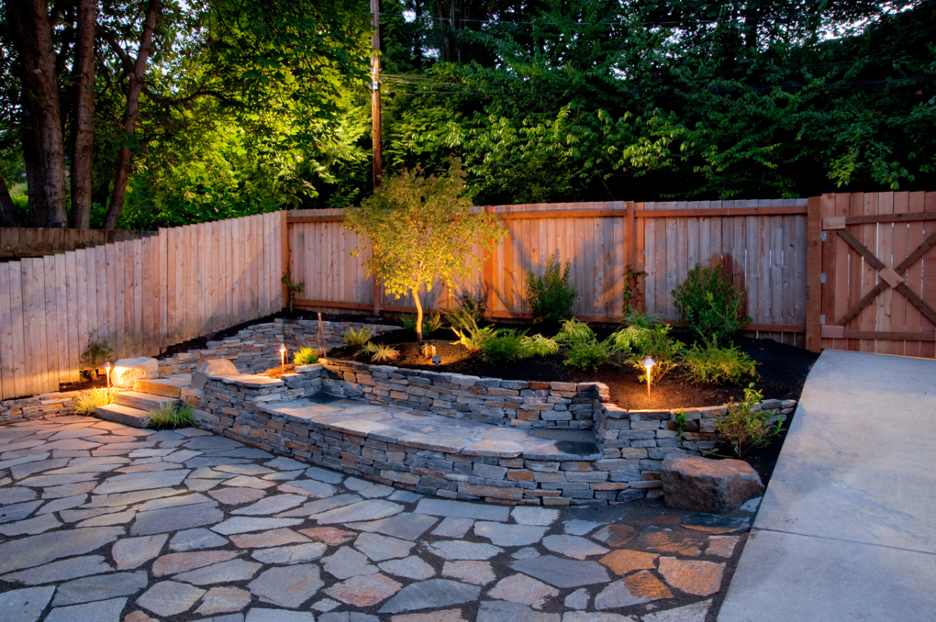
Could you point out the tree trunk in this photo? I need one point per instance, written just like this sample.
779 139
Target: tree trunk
38 208
83 131
131 115
419 316
33 36
8 215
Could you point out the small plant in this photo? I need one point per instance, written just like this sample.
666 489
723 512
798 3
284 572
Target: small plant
588 355
574 332
537 345
431 323
356 338
745 425
96 354
172 416
87 401
642 338
506 346
631 281
379 353
292 289
464 320
710 364
549 296
305 356
710 304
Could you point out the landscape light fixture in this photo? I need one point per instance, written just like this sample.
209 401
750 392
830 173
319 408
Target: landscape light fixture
648 364
107 368
282 352
436 360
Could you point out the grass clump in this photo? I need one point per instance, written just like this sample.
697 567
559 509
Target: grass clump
356 338
710 304
537 345
465 320
506 346
431 323
379 353
549 296
745 425
305 356
711 364
574 332
172 416
588 355
87 401
640 338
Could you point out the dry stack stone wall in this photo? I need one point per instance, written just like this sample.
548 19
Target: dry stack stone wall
37 407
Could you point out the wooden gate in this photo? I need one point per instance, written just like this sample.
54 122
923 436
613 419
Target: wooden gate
872 273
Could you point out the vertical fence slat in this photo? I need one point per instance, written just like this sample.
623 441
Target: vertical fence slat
8 360
928 270
60 292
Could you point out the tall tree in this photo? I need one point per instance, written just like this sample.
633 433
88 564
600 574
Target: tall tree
83 132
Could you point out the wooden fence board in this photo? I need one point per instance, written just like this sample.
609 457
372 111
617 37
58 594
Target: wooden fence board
928 270
60 327
898 310
8 361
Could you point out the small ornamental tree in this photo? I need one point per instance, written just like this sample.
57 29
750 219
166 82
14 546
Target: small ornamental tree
422 230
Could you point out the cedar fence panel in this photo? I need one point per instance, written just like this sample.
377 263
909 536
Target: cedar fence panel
140 292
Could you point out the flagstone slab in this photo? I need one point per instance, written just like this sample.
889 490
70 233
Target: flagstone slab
578 599
100 611
271 505
332 536
20 471
129 498
405 525
431 594
411 568
35 551
243 524
579 527
225 572
244 469
173 519
346 563
287 555
175 563
581 616
458 549
196 539
64 570
169 598
696 612
722 546
18 511
223 600
322 505
699 578
174 501
309 488
130 553
258 614
237 496
141 481
618 595
573 546
452 527
534 516
460 509
615 535
285 464
520 588
362 511
16 494
324 475
474 572
288 586
380 548
274 537
62 479
502 534
12 462
364 591
25 605
100 587
500 611
115 518
562 573
446 615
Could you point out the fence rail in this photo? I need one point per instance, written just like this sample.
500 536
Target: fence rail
138 296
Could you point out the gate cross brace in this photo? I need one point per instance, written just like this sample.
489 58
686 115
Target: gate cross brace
886 279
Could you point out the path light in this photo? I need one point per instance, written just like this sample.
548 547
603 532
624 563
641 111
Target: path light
282 358
436 360
648 364
107 368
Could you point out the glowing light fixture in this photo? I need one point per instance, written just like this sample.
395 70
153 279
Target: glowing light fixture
648 364
282 352
107 368
436 360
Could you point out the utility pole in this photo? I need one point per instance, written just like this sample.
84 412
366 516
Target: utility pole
375 93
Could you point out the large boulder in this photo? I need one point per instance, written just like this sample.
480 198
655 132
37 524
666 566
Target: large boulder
712 486
127 371
212 368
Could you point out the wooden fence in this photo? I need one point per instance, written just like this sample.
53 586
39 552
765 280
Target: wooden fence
18 242
761 243
139 296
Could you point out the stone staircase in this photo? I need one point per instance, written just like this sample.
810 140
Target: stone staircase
132 408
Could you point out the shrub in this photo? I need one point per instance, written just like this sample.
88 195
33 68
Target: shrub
357 338
710 304
745 426
710 364
549 296
430 323
305 356
506 346
464 320
380 353
96 354
640 340
87 401
537 345
574 332
588 355
172 416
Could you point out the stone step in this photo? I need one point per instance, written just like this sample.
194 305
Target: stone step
144 401
166 387
133 417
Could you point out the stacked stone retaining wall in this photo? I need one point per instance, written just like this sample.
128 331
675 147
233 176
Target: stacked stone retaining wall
37 407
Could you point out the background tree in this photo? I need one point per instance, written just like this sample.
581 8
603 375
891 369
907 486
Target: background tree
422 230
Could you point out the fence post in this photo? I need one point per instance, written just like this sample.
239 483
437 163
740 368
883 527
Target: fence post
284 254
487 276
813 272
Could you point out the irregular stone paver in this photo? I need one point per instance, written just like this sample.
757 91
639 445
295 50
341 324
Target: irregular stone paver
460 509
322 505
174 563
223 600
61 571
245 525
412 568
141 481
499 611
364 591
172 519
453 527
169 598
695 612
100 587
464 550
257 614
24 605
669 542
30 526
288 586
520 588
509 535
406 525
573 546
271 505
297 554
644 583
431 594
722 546
446 615
478 573
579 527
37 550
347 563
534 516
362 511
225 572
618 595
562 573
580 616
195 539
693 577
624 561
309 488
578 599
332 536
130 553
100 611
236 496
379 548
274 537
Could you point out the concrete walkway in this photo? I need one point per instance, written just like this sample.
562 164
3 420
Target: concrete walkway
847 529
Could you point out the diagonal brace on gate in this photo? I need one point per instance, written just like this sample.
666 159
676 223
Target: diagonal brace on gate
889 277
